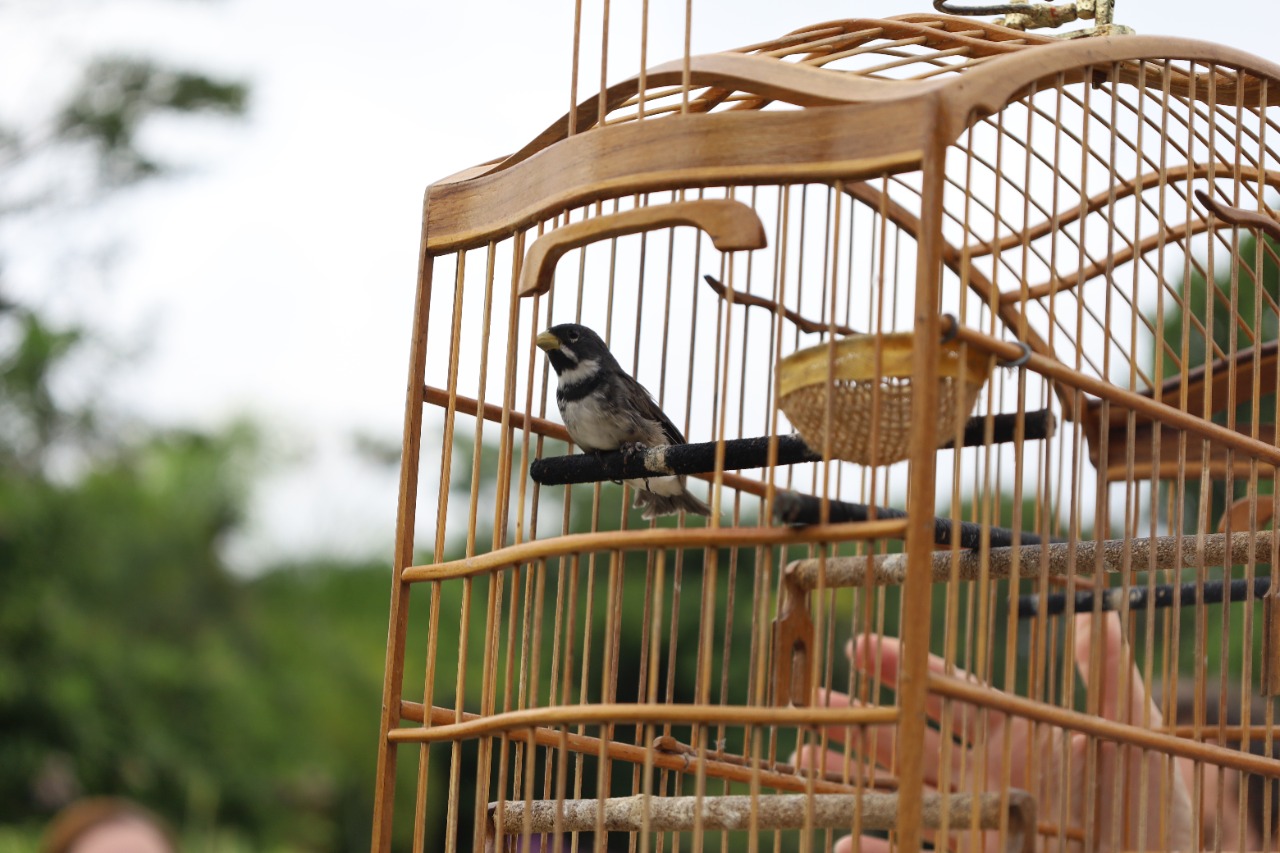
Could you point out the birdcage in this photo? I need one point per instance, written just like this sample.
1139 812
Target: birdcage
1045 623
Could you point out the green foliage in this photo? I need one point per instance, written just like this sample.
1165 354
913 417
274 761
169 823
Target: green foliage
31 421
99 128
117 95
137 664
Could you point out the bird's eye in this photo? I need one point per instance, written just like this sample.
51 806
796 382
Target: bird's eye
573 336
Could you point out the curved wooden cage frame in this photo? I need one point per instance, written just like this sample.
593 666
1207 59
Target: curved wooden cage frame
892 116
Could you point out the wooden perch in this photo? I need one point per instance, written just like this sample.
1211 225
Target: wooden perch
742 453
752 301
1239 216
1057 559
867 811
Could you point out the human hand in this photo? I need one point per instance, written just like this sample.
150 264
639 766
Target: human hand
1118 797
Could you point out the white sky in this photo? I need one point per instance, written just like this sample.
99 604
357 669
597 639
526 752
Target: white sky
275 276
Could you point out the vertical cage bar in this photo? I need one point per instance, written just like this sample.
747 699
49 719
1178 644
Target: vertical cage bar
393 680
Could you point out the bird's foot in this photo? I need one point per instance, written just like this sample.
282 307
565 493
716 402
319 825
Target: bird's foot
630 450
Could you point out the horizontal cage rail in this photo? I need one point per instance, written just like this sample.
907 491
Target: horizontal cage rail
1128 734
564 715
657 537
669 754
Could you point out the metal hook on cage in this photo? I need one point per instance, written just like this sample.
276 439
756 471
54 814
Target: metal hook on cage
950 325
1024 15
1020 360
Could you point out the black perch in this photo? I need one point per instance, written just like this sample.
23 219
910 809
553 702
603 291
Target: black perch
740 453
661 461
795 508
1143 598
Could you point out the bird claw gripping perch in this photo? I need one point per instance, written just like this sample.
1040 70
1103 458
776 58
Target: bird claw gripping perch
630 450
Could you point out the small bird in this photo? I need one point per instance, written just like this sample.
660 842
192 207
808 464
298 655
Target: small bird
605 409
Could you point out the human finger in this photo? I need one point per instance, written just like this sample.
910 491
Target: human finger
881 656
879 743
833 763
841 734
1115 653
1109 675
867 844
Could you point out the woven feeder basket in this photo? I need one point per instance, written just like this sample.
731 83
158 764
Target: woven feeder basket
803 379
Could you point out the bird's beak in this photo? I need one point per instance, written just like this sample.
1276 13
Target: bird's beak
547 342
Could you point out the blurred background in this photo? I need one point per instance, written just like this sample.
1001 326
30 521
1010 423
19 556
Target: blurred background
209 219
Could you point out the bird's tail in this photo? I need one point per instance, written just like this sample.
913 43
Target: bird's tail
655 504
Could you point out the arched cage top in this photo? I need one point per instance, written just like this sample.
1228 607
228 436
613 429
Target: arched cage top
838 101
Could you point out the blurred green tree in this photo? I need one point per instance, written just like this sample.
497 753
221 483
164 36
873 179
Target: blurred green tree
95 134
123 666
136 663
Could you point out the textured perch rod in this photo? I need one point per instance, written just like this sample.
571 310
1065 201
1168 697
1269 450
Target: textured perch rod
741 453
872 811
1165 552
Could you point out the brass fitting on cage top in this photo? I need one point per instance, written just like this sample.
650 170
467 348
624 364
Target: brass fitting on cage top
1032 16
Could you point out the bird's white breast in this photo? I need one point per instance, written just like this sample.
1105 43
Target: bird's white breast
593 426
601 420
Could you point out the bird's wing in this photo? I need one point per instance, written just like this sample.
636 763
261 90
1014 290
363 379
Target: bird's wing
670 430
634 398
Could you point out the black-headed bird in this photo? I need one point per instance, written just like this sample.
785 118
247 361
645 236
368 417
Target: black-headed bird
605 409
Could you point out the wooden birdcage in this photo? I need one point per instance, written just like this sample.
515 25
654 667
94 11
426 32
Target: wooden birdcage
1040 620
